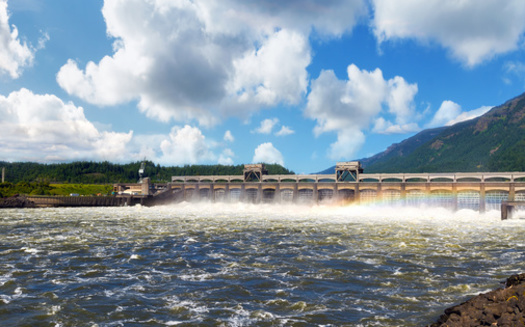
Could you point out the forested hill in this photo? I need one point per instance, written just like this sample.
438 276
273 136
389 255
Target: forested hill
494 141
108 173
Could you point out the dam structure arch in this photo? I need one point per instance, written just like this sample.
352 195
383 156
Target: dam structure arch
349 184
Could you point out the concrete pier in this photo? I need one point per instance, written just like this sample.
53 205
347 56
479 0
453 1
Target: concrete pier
508 208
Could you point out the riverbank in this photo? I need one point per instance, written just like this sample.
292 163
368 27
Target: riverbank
16 201
23 201
501 307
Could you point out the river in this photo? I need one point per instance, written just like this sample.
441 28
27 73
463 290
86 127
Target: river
239 264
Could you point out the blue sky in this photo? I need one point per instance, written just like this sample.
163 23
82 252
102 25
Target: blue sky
301 83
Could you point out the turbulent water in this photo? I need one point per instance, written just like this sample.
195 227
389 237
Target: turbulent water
248 265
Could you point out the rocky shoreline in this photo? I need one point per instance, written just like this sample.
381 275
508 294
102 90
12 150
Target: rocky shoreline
16 201
501 307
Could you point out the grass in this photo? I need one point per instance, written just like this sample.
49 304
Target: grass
80 189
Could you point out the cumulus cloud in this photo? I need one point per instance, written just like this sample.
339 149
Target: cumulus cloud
473 31
400 99
267 153
226 157
468 115
43 128
14 54
203 60
348 142
285 130
450 113
266 126
274 73
382 126
348 107
186 145
228 137
330 18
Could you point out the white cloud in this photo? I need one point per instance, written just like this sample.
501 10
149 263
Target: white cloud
382 126
401 99
266 126
275 72
450 113
330 18
228 137
285 130
42 128
226 157
202 60
347 144
474 31
514 69
267 153
14 54
186 145
349 107
468 115
45 129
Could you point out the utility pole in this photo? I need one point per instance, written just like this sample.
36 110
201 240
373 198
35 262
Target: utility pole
3 174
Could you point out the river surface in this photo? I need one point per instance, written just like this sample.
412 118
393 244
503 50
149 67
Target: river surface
248 265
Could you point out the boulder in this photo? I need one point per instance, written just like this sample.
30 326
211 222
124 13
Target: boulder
501 307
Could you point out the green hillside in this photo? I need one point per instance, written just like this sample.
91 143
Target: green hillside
492 142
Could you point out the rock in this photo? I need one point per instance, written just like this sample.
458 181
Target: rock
16 201
501 307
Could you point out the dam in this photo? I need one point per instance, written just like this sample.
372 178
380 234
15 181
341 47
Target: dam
348 184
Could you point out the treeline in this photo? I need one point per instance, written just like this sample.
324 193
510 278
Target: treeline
86 172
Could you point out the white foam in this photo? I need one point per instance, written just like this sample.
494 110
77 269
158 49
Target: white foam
134 257
30 250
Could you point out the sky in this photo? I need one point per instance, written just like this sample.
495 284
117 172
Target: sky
301 83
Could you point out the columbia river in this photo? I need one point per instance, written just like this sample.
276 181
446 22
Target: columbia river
248 265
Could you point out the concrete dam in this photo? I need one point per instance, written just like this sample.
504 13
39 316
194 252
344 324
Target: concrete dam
478 191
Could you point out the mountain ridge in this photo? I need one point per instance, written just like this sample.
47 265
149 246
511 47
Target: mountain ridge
494 141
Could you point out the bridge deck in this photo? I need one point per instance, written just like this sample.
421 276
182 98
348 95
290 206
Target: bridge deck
402 177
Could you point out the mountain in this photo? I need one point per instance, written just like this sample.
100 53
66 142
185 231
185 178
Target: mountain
494 141
404 148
